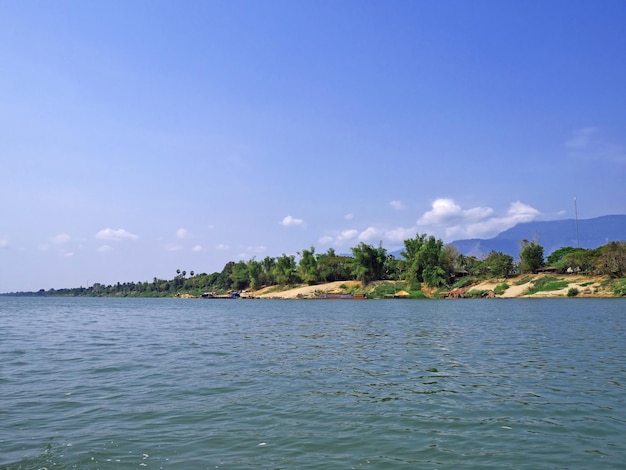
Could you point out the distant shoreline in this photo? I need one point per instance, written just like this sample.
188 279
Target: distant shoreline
586 286
521 286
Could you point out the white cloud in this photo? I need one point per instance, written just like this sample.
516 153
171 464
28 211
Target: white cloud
115 234
399 234
104 248
487 227
197 248
477 213
290 221
4 243
443 211
520 212
349 216
173 247
368 234
182 233
326 240
446 220
222 247
397 205
347 235
61 239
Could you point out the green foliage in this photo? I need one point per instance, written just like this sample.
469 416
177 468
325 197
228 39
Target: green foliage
501 288
557 256
331 267
531 257
368 263
495 265
618 287
462 282
383 290
569 259
239 276
426 261
255 274
546 284
284 270
612 259
475 293
572 292
307 266
523 280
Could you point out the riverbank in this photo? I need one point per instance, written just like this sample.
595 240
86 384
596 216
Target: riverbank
539 285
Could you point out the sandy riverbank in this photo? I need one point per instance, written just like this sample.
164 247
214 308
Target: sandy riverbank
587 286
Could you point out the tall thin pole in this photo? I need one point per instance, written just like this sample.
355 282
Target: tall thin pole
576 214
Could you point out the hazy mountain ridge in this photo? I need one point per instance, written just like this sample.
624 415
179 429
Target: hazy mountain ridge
552 235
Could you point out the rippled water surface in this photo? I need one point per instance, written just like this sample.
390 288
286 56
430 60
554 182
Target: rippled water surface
264 384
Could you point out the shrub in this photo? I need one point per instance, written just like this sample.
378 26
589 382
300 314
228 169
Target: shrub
523 280
572 292
500 288
475 293
618 287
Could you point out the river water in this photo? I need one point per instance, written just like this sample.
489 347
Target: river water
312 384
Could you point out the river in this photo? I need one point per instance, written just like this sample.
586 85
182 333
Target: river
100 383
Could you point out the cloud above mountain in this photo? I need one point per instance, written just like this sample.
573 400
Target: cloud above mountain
446 219
475 222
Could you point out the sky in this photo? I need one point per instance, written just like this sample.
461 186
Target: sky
138 138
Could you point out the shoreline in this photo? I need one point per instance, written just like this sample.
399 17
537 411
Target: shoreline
587 286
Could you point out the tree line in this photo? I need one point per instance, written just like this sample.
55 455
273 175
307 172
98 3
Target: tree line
424 260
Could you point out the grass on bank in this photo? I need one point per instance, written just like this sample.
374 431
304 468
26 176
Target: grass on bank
501 288
385 290
547 284
616 286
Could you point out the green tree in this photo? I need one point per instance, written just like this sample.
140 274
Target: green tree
392 268
557 257
267 271
368 262
255 274
426 260
331 267
239 276
531 257
452 260
496 264
471 264
307 266
612 259
225 280
284 270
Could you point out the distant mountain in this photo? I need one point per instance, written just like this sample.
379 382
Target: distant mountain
552 235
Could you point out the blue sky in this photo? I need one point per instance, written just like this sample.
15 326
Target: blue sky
137 138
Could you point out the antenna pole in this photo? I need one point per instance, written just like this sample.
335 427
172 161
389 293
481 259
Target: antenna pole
576 214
